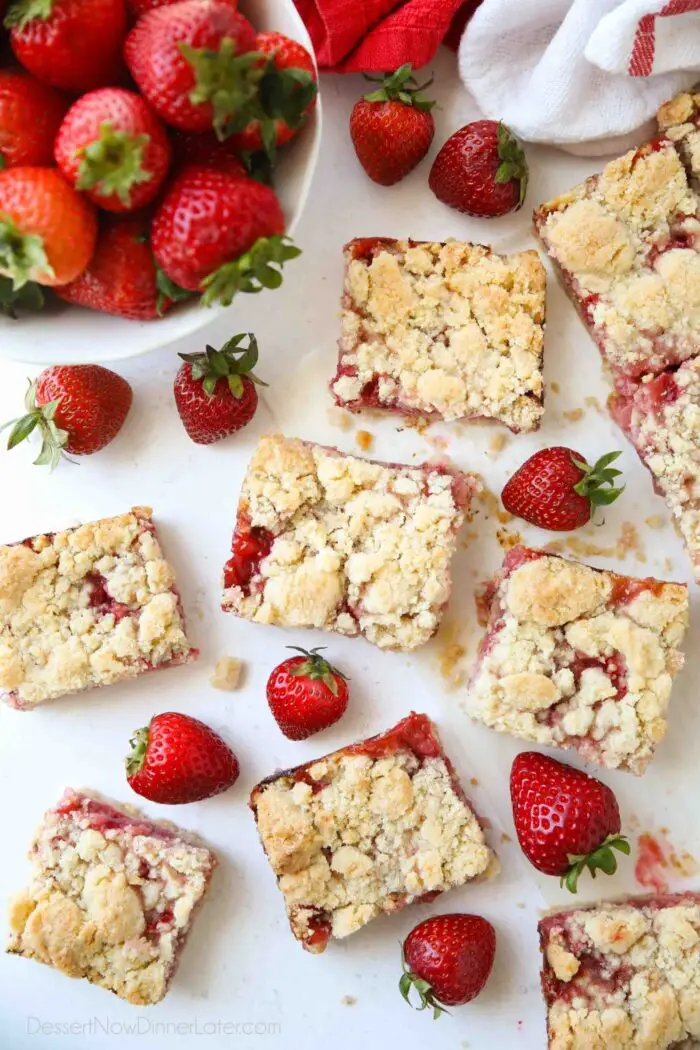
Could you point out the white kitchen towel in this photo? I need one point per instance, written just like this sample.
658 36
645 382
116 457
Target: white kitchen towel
584 75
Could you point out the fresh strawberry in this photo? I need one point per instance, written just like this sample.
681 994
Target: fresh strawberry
481 170
112 146
285 96
556 489
47 229
215 391
306 694
203 148
177 759
77 409
138 8
72 44
565 820
30 115
195 63
392 128
218 233
447 959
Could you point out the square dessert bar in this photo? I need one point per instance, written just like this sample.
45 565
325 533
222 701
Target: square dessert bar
112 897
627 245
328 540
623 975
679 121
442 330
367 830
576 657
86 607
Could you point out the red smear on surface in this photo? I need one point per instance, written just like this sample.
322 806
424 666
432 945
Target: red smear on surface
652 864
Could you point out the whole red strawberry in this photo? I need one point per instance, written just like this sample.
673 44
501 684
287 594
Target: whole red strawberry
30 116
195 63
204 149
306 694
215 391
218 233
177 759
72 44
77 409
392 128
113 147
556 489
447 959
481 170
566 821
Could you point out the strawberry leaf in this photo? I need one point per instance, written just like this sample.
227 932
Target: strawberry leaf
409 982
251 272
23 12
227 80
513 166
113 163
168 291
401 86
600 859
317 668
22 255
598 482
41 418
29 297
231 362
137 756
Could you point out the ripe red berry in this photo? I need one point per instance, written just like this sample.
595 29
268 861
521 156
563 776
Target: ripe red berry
215 391
481 170
447 959
306 694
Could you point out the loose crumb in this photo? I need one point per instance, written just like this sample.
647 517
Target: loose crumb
474 781
505 838
554 387
496 445
593 402
337 418
554 546
453 649
348 1000
655 521
668 565
574 415
364 439
227 674
640 556
508 538
469 537
628 539
493 506
418 423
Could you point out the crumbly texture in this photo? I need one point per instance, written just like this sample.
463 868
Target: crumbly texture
113 904
357 547
623 976
353 836
575 657
445 330
227 674
86 607
627 243
679 121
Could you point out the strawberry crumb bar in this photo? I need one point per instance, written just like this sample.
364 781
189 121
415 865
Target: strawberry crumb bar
623 975
367 830
87 607
576 657
679 121
112 897
329 540
442 330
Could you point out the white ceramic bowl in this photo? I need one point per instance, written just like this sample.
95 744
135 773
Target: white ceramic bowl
71 335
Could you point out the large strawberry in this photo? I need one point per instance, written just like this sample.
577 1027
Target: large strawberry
76 408
566 821
113 147
204 148
47 229
481 170
195 63
392 127
218 233
30 116
72 44
447 959
215 391
306 694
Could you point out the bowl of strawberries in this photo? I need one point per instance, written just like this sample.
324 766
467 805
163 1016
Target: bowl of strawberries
156 159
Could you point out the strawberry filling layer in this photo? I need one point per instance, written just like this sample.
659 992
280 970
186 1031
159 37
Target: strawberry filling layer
101 816
250 546
102 601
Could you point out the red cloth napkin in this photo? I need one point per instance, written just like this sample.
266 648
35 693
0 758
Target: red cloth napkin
352 36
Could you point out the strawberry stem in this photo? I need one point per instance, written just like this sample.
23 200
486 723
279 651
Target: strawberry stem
231 362
598 481
318 668
513 166
251 272
22 255
113 163
41 417
410 981
600 859
137 756
226 79
22 12
401 86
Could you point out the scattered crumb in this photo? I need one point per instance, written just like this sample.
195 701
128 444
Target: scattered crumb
588 550
574 415
655 521
497 443
348 1000
505 838
469 537
337 418
508 539
418 423
474 781
628 539
483 597
640 556
493 505
554 546
657 857
520 904
668 565
452 640
227 674
439 441
364 439
593 402
554 387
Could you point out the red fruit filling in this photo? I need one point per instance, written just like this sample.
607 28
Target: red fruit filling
614 667
319 926
102 600
250 546
101 815
414 733
158 921
625 589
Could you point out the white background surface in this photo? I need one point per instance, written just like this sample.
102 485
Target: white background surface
241 966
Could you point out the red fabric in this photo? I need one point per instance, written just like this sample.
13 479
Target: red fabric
642 58
376 36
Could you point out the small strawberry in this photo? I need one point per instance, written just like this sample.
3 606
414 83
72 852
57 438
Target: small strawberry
215 391
392 128
77 409
203 148
177 759
481 170
111 146
306 694
47 229
30 115
72 44
195 63
447 959
556 489
565 820
218 233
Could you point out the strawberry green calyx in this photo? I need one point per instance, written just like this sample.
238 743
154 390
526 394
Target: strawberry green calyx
598 481
227 80
601 859
22 12
401 86
317 668
22 255
513 164
41 417
113 163
168 291
231 363
137 756
251 272
29 297
409 982
282 94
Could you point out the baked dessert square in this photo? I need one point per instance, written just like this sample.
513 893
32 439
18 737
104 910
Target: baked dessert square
87 607
112 897
679 121
367 830
623 975
627 245
577 657
445 331
328 540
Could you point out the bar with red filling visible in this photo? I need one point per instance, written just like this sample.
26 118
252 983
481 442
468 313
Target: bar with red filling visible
367 830
577 657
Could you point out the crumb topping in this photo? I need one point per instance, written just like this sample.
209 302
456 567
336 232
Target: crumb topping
679 120
227 673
